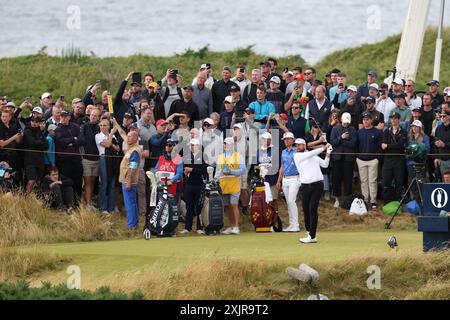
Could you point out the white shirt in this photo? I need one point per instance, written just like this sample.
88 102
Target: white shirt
385 106
414 102
308 165
100 137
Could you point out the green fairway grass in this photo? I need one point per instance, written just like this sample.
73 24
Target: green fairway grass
100 259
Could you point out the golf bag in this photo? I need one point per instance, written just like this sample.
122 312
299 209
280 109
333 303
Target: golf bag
162 220
211 208
262 215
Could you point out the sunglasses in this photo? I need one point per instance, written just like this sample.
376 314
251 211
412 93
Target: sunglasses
296 108
408 85
307 73
207 125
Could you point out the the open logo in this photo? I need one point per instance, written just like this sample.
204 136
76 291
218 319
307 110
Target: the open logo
439 198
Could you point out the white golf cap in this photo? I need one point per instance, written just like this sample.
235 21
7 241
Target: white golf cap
446 91
52 127
353 88
209 121
228 99
417 123
237 125
229 140
203 66
290 73
194 142
38 110
266 135
275 79
46 95
300 141
346 118
288 135
374 86
398 81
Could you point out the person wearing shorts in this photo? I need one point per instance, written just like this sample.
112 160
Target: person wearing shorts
230 169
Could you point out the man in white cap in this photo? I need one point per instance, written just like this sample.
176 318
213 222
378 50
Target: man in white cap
46 103
275 95
194 175
288 181
240 139
343 140
268 156
229 170
205 68
308 165
397 88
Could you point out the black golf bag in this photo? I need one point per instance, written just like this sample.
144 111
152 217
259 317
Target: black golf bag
163 218
211 208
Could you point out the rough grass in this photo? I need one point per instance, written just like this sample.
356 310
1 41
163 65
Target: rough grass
17 264
404 275
25 220
382 56
70 74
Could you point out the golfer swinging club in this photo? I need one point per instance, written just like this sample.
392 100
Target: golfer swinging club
311 178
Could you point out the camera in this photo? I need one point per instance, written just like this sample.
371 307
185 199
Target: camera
286 69
175 71
242 70
341 85
208 66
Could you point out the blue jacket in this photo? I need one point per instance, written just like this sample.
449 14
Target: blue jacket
262 111
369 141
340 145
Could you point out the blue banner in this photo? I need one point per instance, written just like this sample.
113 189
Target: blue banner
436 197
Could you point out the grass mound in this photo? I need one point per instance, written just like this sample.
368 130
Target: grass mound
25 220
381 56
404 275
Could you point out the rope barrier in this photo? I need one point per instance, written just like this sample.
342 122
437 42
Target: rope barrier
155 158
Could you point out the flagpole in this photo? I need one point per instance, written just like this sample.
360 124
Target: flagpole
438 52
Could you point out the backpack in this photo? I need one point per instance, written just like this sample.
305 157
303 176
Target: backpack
167 93
348 201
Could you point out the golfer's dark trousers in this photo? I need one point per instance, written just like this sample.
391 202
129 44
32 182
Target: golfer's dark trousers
192 194
311 194
72 168
342 172
394 170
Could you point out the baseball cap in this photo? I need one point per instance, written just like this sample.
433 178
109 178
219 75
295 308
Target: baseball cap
417 123
188 87
228 99
134 126
45 95
160 122
249 110
346 118
398 81
373 73
266 135
353 88
284 116
394 115
76 100
416 108
52 127
300 141
370 99
275 79
209 121
433 83
194 142
367 115
265 63
171 142
399 95
65 113
127 115
152 84
10 104
235 88
237 125
290 73
228 140
446 91
38 110
374 86
288 135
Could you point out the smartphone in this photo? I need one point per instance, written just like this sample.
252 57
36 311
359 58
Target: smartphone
242 70
286 69
61 98
175 71
28 99
208 66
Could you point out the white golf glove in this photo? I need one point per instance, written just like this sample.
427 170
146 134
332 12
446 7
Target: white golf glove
329 150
